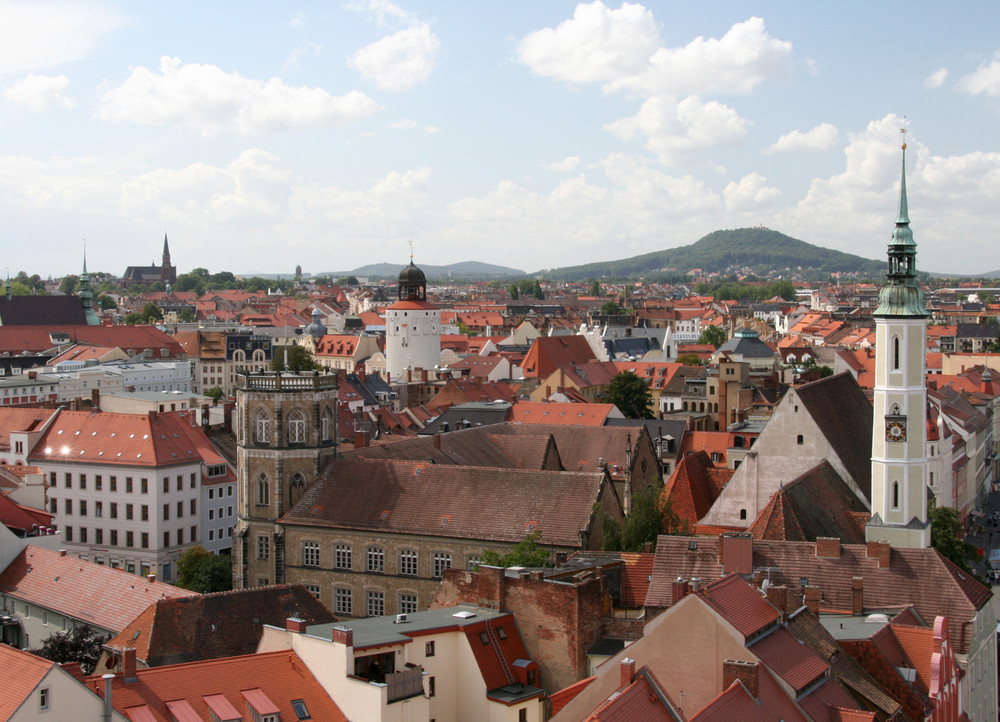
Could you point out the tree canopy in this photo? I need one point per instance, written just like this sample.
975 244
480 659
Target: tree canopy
83 644
201 571
526 553
631 395
946 536
299 359
714 335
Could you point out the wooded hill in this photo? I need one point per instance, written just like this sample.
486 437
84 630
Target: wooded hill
759 249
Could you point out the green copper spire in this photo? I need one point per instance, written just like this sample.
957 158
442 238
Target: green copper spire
902 295
87 296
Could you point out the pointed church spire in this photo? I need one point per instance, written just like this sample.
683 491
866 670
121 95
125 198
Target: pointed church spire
166 246
86 295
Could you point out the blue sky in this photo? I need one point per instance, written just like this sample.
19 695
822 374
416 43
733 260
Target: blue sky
262 135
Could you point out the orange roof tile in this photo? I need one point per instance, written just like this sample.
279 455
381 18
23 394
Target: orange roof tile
22 672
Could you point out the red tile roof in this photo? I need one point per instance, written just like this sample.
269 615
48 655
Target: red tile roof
99 595
570 414
15 339
694 486
795 663
154 439
740 604
229 683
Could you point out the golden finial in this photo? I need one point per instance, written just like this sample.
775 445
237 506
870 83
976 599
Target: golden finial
411 250
903 131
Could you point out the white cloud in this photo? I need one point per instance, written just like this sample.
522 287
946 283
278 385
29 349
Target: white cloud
40 92
36 35
297 21
432 130
738 62
403 125
678 128
296 55
936 79
622 50
596 46
399 61
207 100
566 165
985 79
750 193
382 11
822 137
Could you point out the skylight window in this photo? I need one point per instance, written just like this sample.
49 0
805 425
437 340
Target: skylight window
301 711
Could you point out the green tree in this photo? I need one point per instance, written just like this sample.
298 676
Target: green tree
631 395
713 335
526 287
644 523
526 553
19 289
201 571
986 297
611 309
201 273
216 393
785 289
348 281
537 291
946 536
69 284
187 314
151 312
299 359
595 288
106 302
83 644
512 290
689 359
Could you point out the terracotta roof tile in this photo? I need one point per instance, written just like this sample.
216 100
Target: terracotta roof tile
22 673
740 605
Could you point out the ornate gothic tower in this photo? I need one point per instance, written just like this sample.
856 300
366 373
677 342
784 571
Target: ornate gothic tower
285 433
167 274
899 436
86 295
412 327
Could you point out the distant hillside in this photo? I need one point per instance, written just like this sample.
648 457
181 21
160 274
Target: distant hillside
462 270
725 251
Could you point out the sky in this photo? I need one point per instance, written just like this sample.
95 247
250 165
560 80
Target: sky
260 135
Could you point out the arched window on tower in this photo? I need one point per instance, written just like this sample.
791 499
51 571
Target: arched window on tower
296 486
895 494
325 424
895 353
263 490
262 427
297 427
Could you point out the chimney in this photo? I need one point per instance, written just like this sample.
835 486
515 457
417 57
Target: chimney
746 672
857 596
627 672
812 599
342 635
536 575
32 375
95 398
108 706
151 577
62 552
360 439
881 551
437 441
296 625
695 584
777 594
152 417
491 586
678 589
828 547
128 666
758 577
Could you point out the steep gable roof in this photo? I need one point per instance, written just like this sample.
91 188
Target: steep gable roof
210 626
99 595
22 673
694 486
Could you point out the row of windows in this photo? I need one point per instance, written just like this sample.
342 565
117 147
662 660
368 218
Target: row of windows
212 490
98 537
374 600
99 482
192 503
113 509
296 485
375 559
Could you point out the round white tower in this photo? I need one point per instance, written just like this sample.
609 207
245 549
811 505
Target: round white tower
412 327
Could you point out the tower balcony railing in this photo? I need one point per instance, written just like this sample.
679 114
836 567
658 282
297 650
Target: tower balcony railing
285 381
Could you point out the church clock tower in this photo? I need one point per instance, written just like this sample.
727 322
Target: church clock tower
899 436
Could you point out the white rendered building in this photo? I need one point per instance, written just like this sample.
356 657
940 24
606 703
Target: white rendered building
412 328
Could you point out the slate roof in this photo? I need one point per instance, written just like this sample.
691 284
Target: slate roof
816 504
165 694
98 595
490 504
40 310
844 416
209 626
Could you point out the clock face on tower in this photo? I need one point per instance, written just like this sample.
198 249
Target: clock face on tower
895 431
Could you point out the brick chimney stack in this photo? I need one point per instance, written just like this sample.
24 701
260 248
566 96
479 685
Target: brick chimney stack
627 672
678 589
811 600
746 672
342 635
857 596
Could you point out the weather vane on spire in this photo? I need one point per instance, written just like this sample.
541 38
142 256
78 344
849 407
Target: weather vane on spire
903 131
411 249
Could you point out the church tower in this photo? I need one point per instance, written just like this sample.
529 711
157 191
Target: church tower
285 433
899 436
167 273
86 295
412 327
